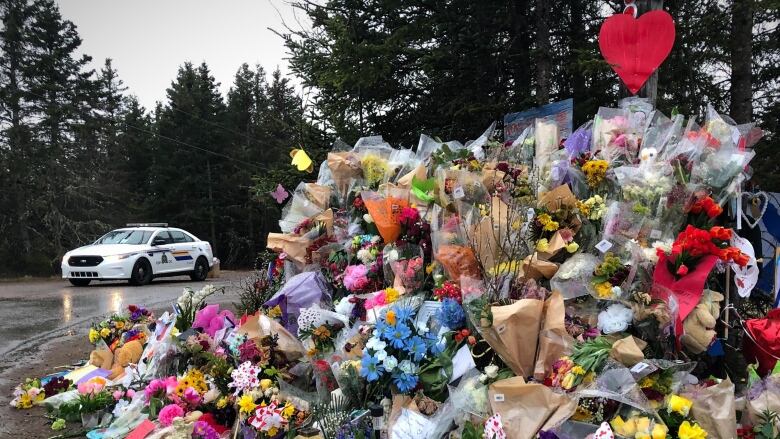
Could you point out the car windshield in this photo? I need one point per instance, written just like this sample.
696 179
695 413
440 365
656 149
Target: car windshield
132 237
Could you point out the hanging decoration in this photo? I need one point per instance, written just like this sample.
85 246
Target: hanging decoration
636 47
301 160
279 194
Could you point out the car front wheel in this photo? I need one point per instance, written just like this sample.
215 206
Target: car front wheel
142 273
201 271
80 282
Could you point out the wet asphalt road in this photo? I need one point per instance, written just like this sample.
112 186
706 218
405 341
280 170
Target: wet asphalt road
32 311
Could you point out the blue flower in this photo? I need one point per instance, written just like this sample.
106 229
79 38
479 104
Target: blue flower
382 329
451 314
397 335
405 382
416 347
402 313
370 368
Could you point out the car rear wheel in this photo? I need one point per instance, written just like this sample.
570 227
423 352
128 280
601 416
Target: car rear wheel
201 271
80 282
142 272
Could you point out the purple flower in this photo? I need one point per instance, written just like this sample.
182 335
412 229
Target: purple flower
203 430
579 142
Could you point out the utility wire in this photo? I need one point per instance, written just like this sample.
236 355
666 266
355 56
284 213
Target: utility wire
208 151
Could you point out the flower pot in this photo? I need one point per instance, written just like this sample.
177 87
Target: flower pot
91 420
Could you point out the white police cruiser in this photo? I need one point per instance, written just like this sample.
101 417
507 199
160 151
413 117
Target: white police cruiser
139 253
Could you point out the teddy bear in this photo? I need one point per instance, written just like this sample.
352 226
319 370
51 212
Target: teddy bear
699 325
128 353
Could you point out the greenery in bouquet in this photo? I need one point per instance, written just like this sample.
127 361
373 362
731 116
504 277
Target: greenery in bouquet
608 277
333 269
587 360
462 158
260 286
189 303
27 394
323 337
657 385
677 417
119 328
595 410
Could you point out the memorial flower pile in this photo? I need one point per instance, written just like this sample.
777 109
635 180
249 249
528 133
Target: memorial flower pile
533 287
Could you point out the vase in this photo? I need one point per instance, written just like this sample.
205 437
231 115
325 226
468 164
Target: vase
91 419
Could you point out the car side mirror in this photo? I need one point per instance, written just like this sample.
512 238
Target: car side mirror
158 241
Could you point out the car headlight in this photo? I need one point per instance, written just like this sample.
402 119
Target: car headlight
116 258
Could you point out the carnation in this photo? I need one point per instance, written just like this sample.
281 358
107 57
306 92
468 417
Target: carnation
169 413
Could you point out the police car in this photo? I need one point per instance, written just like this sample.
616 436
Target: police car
139 253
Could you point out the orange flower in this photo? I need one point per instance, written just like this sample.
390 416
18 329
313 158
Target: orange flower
720 233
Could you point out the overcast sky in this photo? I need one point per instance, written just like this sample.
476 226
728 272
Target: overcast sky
149 39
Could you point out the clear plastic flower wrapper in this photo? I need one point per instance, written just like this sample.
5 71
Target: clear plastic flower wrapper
573 278
622 223
718 168
374 154
645 185
612 135
546 141
308 201
471 395
404 267
451 248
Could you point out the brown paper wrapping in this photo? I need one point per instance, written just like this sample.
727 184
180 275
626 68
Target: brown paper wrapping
327 219
526 408
259 326
319 195
556 244
767 400
344 166
517 328
558 197
554 341
420 172
535 268
628 351
490 177
487 234
294 246
458 260
714 408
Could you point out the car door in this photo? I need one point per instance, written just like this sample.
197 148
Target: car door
161 253
184 251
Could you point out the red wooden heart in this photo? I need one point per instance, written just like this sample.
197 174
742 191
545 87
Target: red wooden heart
635 48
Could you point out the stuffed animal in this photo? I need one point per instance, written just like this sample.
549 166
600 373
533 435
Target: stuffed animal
699 325
116 362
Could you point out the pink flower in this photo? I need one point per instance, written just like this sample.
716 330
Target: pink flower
566 234
160 387
211 319
169 413
92 386
355 279
191 397
130 393
118 394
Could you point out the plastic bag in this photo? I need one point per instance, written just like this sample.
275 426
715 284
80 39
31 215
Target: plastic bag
573 278
546 140
304 205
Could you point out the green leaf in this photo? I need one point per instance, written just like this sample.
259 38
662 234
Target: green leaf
423 189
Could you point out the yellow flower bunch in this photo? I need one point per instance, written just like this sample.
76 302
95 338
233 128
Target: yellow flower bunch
93 335
691 431
595 171
105 332
275 312
246 404
543 245
391 294
572 247
638 427
222 402
678 404
604 290
547 222
374 168
195 379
